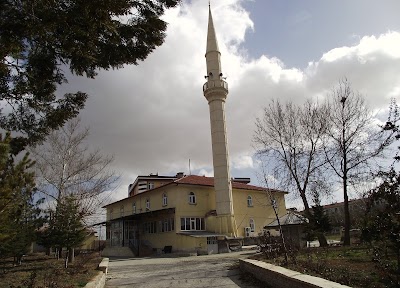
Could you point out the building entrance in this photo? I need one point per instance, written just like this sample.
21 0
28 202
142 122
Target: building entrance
212 245
131 234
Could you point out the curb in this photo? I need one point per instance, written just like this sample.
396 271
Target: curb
277 276
99 281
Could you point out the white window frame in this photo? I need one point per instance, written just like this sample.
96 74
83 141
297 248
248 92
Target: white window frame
192 198
249 201
134 208
252 225
193 224
147 204
164 199
150 185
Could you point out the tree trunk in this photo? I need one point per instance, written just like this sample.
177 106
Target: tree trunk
282 236
71 255
66 260
322 240
346 240
59 255
398 267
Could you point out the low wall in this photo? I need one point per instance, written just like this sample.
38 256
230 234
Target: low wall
100 280
97 282
280 277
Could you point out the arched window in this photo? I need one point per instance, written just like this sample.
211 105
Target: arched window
249 201
134 208
252 225
164 200
192 198
147 204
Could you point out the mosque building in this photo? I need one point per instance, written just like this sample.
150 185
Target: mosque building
190 213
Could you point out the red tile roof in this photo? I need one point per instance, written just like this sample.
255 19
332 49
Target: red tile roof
209 181
203 181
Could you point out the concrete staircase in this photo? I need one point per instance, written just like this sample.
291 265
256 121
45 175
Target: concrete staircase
117 252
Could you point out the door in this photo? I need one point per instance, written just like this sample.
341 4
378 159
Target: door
212 245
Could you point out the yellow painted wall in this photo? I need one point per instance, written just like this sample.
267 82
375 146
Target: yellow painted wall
178 198
177 241
261 211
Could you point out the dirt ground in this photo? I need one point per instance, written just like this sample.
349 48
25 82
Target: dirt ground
39 270
355 266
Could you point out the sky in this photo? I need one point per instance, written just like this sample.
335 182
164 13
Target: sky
153 117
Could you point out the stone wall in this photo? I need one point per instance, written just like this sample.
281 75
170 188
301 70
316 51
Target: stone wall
280 277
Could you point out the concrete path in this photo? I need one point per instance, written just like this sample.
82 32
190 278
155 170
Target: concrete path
220 270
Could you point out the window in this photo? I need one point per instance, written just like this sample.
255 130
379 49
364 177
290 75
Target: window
121 211
192 224
150 227
147 204
134 208
164 200
150 185
252 225
192 198
249 201
212 240
167 225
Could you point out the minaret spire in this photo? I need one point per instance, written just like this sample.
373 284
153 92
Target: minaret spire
215 91
212 51
212 43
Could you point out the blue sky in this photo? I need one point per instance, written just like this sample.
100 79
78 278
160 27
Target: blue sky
154 118
298 32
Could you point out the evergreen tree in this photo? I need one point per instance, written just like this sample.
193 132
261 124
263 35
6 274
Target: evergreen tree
20 215
39 39
65 228
382 218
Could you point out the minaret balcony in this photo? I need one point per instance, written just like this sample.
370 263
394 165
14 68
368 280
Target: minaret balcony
215 84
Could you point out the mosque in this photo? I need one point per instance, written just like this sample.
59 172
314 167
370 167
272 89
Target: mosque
190 213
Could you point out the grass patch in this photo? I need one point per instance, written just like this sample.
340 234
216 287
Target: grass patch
335 237
355 266
43 271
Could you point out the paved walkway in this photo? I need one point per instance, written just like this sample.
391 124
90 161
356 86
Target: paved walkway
220 270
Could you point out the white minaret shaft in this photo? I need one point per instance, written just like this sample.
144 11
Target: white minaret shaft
216 90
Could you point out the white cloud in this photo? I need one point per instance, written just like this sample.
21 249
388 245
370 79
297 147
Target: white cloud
154 117
242 162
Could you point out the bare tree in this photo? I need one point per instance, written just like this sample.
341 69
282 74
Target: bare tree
67 166
353 141
291 138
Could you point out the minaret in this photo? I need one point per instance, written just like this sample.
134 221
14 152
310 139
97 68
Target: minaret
216 90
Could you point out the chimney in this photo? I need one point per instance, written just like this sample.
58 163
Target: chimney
179 175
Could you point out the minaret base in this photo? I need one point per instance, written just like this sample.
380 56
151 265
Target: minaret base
226 225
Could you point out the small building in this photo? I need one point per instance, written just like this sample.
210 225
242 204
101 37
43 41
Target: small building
335 212
293 226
